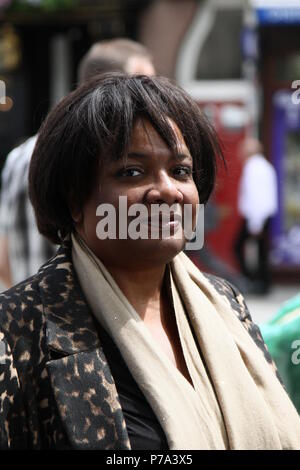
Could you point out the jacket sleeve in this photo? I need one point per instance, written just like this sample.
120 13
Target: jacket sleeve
13 429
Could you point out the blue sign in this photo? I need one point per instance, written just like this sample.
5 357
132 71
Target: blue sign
289 15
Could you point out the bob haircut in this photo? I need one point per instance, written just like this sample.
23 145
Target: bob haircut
94 124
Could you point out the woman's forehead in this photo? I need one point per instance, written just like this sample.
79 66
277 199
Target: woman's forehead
145 134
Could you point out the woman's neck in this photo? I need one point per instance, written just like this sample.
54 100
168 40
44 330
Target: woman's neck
143 289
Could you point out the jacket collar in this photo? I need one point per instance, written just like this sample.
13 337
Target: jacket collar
82 384
70 323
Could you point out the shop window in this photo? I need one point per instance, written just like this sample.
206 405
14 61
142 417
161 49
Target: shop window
287 67
220 57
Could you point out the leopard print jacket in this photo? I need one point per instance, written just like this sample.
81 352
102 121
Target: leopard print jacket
56 388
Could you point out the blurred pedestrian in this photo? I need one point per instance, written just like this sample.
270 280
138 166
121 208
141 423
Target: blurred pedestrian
115 55
257 203
22 248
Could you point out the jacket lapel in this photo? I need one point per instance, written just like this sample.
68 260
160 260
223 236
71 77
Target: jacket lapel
81 380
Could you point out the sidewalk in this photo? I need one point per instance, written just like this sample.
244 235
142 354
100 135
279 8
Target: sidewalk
262 308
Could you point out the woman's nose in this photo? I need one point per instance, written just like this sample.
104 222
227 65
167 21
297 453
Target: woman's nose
164 190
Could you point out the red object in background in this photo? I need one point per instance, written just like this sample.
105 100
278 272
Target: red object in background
232 123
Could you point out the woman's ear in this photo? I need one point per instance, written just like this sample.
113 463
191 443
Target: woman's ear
74 207
77 216
76 213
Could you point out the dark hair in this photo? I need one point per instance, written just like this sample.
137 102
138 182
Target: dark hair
94 123
110 56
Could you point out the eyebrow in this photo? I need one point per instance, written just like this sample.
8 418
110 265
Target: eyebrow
178 156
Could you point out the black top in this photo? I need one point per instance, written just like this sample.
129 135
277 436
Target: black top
144 430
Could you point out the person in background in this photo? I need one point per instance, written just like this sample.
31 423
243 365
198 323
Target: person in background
22 248
115 55
257 203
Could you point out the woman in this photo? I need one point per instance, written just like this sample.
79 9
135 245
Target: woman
119 341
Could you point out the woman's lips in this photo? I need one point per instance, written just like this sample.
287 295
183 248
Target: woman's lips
172 222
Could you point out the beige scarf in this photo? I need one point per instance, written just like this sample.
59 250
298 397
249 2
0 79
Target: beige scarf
236 401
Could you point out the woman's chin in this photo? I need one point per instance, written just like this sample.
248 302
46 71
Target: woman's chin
162 250
140 253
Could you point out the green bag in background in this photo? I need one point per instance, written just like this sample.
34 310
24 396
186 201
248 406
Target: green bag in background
282 336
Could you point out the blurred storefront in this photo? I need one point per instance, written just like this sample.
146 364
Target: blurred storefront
240 59
241 62
279 32
41 43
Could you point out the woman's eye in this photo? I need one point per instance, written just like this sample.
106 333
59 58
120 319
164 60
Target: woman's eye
132 172
183 171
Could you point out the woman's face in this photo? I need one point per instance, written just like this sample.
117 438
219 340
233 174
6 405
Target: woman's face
151 176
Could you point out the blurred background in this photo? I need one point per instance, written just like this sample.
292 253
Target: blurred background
239 59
